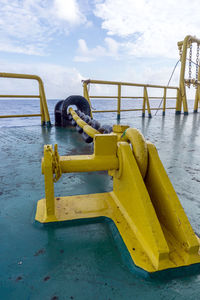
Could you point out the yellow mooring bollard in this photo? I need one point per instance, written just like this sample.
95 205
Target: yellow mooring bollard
143 204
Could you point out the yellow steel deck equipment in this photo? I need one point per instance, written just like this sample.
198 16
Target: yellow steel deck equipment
143 203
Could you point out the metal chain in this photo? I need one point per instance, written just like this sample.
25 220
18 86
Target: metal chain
56 164
180 51
197 65
190 65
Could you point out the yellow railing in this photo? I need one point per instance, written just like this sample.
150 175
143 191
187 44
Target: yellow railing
44 113
119 97
183 48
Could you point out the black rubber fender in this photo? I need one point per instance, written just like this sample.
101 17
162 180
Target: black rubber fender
80 102
58 113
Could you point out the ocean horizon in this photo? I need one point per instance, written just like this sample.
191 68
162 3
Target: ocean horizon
32 106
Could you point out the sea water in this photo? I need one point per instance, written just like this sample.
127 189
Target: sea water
32 106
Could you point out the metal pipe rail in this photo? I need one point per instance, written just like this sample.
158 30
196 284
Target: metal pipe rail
44 113
21 116
145 97
128 97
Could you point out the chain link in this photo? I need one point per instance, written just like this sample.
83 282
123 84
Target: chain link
190 65
56 164
197 65
180 51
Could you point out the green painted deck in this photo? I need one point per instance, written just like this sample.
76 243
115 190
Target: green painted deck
83 260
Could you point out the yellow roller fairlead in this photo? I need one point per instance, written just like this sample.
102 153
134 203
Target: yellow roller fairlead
143 203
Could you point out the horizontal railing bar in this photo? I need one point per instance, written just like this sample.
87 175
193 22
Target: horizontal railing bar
20 116
131 109
19 96
102 111
129 84
163 98
110 97
162 108
20 76
127 97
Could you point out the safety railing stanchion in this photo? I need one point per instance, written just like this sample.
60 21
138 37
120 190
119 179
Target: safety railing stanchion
144 103
164 100
119 102
86 94
197 94
44 102
178 102
147 101
41 109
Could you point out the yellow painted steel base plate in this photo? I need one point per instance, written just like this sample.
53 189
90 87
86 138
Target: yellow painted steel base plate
106 205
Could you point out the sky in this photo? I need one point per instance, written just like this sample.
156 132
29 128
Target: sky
65 41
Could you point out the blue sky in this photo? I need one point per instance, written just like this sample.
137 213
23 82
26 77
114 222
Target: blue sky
65 41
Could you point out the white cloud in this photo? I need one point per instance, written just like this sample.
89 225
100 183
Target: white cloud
85 54
69 11
59 82
152 27
113 46
28 26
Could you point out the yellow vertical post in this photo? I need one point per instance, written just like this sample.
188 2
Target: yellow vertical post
178 102
119 102
86 95
164 100
197 94
147 101
49 184
144 104
196 102
44 102
41 109
183 98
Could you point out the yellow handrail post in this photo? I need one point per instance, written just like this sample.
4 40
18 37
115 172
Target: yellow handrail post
178 102
86 96
147 101
196 102
119 102
44 102
197 94
41 109
144 103
182 77
164 100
